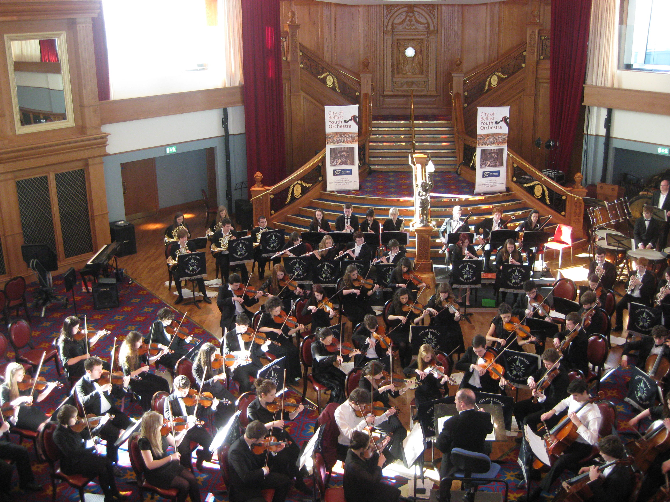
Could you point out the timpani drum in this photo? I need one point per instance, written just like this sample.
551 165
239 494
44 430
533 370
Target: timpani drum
656 258
601 234
612 212
636 204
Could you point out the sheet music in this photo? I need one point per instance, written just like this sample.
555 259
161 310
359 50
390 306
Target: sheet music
556 315
413 444
346 367
536 444
307 453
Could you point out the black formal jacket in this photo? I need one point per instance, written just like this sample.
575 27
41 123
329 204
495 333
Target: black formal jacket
256 411
656 197
644 347
339 223
609 277
172 404
448 227
521 304
74 453
215 239
469 357
157 334
618 485
647 289
88 396
647 235
246 470
558 388
366 227
227 306
467 430
256 231
361 336
397 257
171 235
174 247
576 358
365 254
314 226
389 226
361 478
233 345
486 225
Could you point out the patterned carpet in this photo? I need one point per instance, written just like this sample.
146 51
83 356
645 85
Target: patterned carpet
399 184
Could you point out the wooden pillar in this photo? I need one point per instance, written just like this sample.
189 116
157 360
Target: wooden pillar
528 151
297 131
422 262
260 198
365 111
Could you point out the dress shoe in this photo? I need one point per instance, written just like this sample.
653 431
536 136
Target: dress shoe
32 487
207 299
198 464
179 300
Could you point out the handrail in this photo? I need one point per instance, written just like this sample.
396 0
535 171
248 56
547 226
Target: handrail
411 120
343 82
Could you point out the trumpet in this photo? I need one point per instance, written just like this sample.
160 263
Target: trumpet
661 294
634 282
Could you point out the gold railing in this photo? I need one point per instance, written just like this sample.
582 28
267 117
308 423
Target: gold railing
343 82
411 120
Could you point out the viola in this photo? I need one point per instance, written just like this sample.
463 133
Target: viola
416 280
115 378
488 362
540 304
203 399
89 421
7 410
364 283
383 340
218 362
588 318
248 335
268 443
153 349
398 381
345 348
231 359
289 321
40 385
290 405
177 424
377 409
515 326
548 377
260 338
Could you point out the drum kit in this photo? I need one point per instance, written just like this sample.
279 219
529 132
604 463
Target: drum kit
609 214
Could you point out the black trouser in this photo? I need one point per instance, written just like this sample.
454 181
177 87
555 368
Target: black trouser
277 481
110 432
241 375
146 385
198 435
290 351
92 465
20 456
177 283
523 410
567 461
623 305
223 259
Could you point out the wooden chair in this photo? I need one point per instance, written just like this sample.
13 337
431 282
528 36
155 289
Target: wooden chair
4 345
562 239
321 476
20 335
596 353
4 315
137 463
158 401
307 377
607 427
15 294
565 288
209 210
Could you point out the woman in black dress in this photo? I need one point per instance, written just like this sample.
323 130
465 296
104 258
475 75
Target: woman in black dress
355 296
497 332
276 285
444 311
136 366
266 392
281 333
327 251
393 223
322 313
431 385
213 380
171 231
371 348
217 224
26 414
401 318
163 470
319 223
73 352
412 284
325 364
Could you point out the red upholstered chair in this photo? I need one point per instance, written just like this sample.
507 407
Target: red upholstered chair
4 315
562 239
351 382
158 401
386 313
329 435
302 319
53 454
306 360
610 303
15 293
242 404
321 476
20 334
185 367
137 463
168 253
596 353
565 288
608 413
225 475
4 345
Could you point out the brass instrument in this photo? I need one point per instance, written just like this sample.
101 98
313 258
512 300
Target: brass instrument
223 243
258 235
599 270
635 281
209 232
174 235
661 294
171 261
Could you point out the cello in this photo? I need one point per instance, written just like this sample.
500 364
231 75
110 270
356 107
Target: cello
645 449
578 489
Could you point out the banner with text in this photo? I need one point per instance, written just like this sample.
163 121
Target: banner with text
492 129
342 147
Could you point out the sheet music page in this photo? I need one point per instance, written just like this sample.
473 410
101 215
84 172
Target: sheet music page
346 367
307 453
537 445
440 423
413 444
557 315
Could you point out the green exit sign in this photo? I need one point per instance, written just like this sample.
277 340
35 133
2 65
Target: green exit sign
664 150
170 149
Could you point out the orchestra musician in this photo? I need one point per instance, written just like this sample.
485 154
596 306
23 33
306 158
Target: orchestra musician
661 200
135 366
528 306
605 270
174 407
477 377
163 470
325 252
363 472
640 290
596 316
249 353
159 336
463 250
20 457
370 224
256 234
662 296
647 230
74 352
431 385
275 423
444 311
230 304
325 366
528 411
398 280
530 224
452 225
321 311
656 344
94 399
595 287
371 349
467 430
250 473
355 297
507 254
220 241
183 247
395 254
217 224
347 222
575 358
213 380
319 223
483 232
282 334
77 459
26 414
171 232
294 247
274 287
587 418
402 318
660 466
359 250
393 223
497 332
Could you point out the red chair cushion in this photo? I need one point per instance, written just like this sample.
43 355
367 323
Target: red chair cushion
268 494
33 356
316 384
26 433
168 493
76 480
334 495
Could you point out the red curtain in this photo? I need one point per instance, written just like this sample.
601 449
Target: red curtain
263 90
569 39
48 50
101 61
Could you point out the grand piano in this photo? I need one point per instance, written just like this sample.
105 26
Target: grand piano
101 263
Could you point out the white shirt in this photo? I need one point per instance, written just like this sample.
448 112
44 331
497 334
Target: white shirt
238 305
661 200
357 250
589 415
104 403
348 422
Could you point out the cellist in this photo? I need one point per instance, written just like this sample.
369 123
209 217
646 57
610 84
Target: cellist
587 419
656 344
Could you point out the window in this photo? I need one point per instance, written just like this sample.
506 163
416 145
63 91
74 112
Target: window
646 38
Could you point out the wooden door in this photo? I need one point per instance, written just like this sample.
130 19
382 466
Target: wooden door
140 189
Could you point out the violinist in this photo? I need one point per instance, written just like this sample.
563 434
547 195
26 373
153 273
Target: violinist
160 337
477 377
394 255
431 385
325 366
641 286
640 350
605 270
245 370
256 234
371 347
176 249
20 457
319 308
402 318
278 331
359 251
403 277
483 232
601 292
533 305
282 286
355 295
220 242
660 466
370 224
347 222
77 459
275 425
294 246
575 357
463 250
444 311
213 380
250 474
26 414
319 223
393 223
529 410
73 352
163 470
507 254
352 416
231 303
143 383
497 332
171 232
586 417
597 319
530 224
94 399
217 224
176 408
468 430
363 472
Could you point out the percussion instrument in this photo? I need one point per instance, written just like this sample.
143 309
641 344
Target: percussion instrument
601 233
600 216
623 208
649 254
612 212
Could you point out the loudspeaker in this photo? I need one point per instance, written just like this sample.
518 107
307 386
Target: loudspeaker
70 279
42 253
123 232
244 214
105 294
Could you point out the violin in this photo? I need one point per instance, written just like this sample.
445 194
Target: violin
383 340
377 409
540 304
345 348
177 424
218 362
399 381
231 359
289 321
260 338
248 335
495 370
515 325
588 318
115 378
363 283
438 371
288 283
548 377
204 399
415 308
251 292
176 328
268 443
7 410
40 385
153 349
578 489
416 280
290 405
325 305
81 334
89 421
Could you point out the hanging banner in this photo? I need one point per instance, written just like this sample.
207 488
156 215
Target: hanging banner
342 148
492 129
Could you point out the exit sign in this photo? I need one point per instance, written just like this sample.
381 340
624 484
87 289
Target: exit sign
663 150
170 149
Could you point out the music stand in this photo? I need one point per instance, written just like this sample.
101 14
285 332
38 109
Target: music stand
272 241
659 214
298 268
642 390
498 237
241 250
565 306
312 238
435 336
536 239
227 434
512 277
467 273
521 365
384 273
274 371
505 402
340 238
197 243
326 273
401 237
454 237
641 319
70 280
192 266
541 328
372 240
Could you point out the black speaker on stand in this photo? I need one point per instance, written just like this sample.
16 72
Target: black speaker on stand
70 279
105 294
123 232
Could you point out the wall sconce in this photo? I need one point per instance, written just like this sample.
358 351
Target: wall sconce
410 52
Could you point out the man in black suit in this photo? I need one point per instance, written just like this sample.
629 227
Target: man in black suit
220 242
230 304
646 346
179 248
258 254
647 230
483 232
244 371
157 334
249 474
641 287
617 482
347 222
467 430
661 200
93 399
477 378
605 270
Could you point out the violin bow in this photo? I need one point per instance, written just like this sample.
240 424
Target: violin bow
545 223
88 426
174 335
37 374
86 334
111 366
